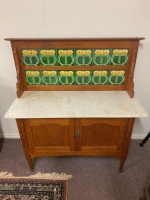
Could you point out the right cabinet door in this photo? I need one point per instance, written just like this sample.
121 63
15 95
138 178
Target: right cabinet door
104 137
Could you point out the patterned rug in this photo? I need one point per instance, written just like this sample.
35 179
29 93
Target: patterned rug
36 187
146 192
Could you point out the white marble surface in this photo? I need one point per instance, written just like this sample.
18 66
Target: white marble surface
76 104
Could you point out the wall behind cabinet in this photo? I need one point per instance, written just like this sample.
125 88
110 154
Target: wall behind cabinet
86 18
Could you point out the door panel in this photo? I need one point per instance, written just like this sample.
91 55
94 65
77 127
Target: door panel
106 135
50 135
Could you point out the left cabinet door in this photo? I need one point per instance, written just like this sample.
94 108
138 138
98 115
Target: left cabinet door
50 137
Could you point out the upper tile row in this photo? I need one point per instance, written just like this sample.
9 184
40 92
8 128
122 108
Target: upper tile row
74 57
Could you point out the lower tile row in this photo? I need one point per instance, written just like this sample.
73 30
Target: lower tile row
75 77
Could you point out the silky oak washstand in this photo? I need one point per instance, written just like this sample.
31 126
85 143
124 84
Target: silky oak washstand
75 97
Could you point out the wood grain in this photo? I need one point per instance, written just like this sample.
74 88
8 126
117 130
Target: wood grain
25 142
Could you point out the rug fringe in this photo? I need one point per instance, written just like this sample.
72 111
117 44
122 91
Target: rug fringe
6 174
53 176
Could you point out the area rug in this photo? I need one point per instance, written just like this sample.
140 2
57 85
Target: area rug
36 187
146 192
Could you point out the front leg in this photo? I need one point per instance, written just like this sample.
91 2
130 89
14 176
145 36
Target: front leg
126 143
121 165
30 163
25 143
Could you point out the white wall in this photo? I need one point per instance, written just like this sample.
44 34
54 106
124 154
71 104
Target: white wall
76 18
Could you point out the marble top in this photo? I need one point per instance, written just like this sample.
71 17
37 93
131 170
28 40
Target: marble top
75 104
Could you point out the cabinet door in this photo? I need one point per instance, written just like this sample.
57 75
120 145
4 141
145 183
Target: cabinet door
100 136
50 136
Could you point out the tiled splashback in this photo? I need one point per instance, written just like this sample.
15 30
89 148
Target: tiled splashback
108 77
74 57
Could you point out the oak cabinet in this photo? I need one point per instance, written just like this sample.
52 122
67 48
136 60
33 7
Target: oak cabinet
90 137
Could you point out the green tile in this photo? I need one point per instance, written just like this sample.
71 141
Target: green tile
83 77
30 57
33 77
100 77
48 57
101 57
65 57
50 78
116 77
66 77
119 56
83 57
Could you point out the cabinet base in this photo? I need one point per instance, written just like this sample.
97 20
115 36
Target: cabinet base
55 137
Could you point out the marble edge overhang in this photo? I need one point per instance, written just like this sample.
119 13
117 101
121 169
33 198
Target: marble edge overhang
137 110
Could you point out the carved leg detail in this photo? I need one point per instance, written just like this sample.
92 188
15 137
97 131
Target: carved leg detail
24 143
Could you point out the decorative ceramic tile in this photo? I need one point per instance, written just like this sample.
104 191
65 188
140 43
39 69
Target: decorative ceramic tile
103 77
83 57
101 56
66 77
83 77
116 77
66 57
49 78
100 77
30 57
71 57
48 57
33 77
119 56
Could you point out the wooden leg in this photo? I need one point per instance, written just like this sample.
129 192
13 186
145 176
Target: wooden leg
30 162
121 165
127 142
25 143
